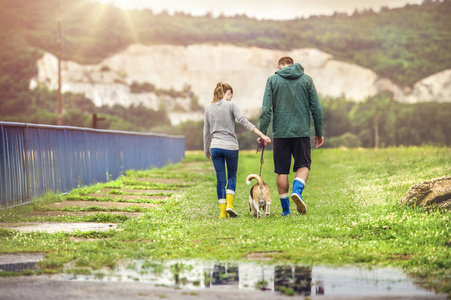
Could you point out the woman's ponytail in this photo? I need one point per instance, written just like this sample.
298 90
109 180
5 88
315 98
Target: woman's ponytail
218 93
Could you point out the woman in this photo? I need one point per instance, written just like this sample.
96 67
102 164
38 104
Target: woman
221 144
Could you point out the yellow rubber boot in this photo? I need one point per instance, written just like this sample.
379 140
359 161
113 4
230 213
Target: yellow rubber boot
222 207
230 209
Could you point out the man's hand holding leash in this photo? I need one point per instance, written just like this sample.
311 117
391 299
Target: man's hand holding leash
267 140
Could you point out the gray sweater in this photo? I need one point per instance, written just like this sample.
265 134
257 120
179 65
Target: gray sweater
219 126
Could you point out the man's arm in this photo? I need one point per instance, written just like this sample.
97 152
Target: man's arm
316 110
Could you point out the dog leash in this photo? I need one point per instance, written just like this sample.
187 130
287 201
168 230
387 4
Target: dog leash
261 146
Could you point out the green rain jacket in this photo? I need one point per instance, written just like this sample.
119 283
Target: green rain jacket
290 96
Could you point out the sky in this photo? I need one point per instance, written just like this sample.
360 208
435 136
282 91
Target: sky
261 9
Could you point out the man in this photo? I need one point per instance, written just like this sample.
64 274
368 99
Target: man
290 96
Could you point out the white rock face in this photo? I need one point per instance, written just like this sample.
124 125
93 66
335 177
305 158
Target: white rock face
202 66
435 88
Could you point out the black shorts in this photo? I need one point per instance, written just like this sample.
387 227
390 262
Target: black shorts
284 148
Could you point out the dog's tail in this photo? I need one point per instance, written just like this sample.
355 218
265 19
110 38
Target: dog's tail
251 176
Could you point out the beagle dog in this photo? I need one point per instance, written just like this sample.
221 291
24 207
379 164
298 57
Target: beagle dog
259 196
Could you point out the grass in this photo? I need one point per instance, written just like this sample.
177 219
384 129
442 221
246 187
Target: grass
353 217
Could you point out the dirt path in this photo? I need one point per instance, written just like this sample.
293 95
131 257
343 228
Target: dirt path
53 227
103 204
110 201
51 287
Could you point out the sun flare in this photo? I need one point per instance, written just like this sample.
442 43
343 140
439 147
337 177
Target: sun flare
123 4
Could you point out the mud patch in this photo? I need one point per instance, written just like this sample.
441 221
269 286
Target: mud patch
137 191
19 262
133 194
59 213
102 204
261 255
168 181
58 227
13 258
126 198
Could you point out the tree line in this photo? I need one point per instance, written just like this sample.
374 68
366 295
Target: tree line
378 121
38 106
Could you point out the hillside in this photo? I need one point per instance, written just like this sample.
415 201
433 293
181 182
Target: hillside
197 69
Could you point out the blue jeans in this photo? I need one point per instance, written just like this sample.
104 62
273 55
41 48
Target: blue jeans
221 158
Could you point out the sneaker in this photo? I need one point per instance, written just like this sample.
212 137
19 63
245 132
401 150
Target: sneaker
300 205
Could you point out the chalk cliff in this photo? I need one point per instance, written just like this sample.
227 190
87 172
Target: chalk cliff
202 66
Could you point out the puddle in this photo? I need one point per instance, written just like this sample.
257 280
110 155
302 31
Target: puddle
18 267
19 262
287 279
58 227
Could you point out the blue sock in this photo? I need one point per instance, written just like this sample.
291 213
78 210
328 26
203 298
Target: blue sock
285 204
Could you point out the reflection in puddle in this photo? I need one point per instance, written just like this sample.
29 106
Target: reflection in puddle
18 267
19 262
288 279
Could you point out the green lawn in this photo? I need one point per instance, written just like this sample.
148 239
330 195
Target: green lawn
353 217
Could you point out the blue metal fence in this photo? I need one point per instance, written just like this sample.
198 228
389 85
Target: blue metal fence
35 159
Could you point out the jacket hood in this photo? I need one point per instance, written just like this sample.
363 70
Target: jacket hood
293 71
